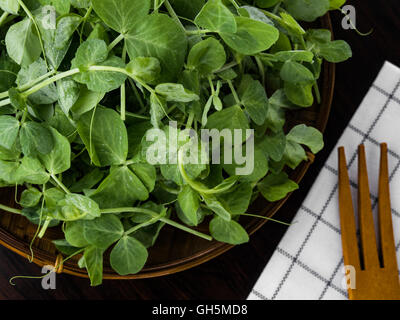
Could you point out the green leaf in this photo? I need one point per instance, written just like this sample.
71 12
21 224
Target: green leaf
146 173
9 128
216 17
52 196
147 69
128 256
68 94
74 233
318 36
105 136
189 203
38 216
207 56
30 197
336 4
8 72
61 6
188 9
259 170
87 100
17 100
35 137
275 118
160 37
59 159
100 81
308 136
238 199
273 145
307 10
94 264
295 55
120 189
295 72
63 124
254 99
266 3
66 26
32 171
8 172
104 231
88 181
228 231
291 25
294 154
64 247
158 106
176 92
255 14
89 208
121 15
22 43
80 4
10 6
300 93
335 51
230 118
217 207
251 37
55 53
276 186
90 52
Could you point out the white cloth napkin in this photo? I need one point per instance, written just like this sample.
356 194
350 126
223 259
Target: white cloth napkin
308 263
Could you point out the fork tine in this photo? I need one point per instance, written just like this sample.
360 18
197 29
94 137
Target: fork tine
366 221
385 214
347 222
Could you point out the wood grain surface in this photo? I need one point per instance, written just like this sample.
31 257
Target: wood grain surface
232 275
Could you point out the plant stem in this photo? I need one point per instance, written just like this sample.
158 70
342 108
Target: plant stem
9 209
123 89
227 66
115 42
73 255
3 18
84 20
138 116
317 93
4 95
266 218
235 4
137 94
172 13
235 95
195 32
156 6
44 228
155 214
36 81
51 80
5 102
61 185
142 225
261 69
276 8
190 120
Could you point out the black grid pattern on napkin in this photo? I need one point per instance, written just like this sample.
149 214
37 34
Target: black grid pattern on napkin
319 216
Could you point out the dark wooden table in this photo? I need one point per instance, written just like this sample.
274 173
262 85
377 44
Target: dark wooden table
232 275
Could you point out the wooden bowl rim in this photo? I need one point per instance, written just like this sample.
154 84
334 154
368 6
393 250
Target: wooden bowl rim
42 257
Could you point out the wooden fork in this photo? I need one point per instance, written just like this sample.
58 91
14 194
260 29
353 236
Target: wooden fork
374 280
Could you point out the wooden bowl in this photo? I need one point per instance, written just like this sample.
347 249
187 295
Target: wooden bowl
174 250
